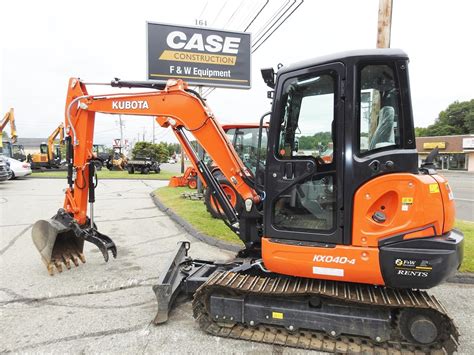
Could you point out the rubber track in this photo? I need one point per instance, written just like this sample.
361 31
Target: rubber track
236 283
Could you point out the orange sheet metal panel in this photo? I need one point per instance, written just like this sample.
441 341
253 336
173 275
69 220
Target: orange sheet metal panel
341 263
448 203
410 203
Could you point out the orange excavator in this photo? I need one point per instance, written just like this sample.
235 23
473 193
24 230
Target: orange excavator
189 179
244 138
337 254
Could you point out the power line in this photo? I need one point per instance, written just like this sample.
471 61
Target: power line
204 9
219 12
281 23
256 45
269 21
233 14
258 13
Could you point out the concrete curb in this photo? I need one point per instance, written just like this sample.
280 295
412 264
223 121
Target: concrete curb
460 277
192 231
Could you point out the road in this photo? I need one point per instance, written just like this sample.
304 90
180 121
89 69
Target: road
462 184
108 307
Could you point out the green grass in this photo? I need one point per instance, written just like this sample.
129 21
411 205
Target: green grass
468 230
107 174
195 213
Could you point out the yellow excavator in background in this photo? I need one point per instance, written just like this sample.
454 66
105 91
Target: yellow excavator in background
8 147
8 118
49 156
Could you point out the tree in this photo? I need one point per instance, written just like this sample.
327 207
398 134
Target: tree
421 131
458 118
158 152
172 148
318 141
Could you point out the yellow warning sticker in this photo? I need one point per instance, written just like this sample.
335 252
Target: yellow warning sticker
277 315
434 188
407 200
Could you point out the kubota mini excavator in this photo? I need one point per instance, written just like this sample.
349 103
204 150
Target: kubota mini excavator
336 254
50 154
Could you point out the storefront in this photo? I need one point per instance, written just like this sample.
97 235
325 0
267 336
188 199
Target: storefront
455 152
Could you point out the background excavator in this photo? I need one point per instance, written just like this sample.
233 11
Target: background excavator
49 156
336 253
244 139
8 147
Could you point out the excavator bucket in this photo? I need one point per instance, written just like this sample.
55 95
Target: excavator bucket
60 241
175 181
57 245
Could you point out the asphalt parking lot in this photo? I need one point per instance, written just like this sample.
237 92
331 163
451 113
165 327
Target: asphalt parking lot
462 184
108 307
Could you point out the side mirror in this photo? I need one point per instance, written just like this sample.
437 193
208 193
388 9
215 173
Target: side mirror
268 76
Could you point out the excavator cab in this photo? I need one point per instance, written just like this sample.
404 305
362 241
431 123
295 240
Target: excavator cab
366 200
44 150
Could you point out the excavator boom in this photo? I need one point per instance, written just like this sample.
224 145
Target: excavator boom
9 118
173 107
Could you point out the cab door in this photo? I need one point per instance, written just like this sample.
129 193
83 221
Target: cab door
303 175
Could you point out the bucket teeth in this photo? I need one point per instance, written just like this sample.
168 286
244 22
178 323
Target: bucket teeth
82 257
74 260
65 260
58 265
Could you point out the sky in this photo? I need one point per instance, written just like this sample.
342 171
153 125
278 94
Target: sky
43 43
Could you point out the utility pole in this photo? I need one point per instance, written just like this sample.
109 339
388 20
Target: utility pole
200 154
153 118
121 130
384 26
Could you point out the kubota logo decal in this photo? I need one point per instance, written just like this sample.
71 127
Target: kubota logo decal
129 105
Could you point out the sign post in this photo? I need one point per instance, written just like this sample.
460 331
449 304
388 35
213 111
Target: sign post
199 56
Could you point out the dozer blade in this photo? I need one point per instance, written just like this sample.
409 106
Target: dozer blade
182 276
60 241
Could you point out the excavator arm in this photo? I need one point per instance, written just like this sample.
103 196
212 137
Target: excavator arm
174 106
9 118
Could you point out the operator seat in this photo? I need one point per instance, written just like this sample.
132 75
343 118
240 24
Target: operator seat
384 133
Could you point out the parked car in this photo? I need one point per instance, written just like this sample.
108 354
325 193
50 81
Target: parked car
172 161
4 169
18 168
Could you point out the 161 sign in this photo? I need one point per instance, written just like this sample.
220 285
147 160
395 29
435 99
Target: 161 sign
199 56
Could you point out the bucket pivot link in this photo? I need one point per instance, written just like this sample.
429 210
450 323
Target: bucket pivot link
60 241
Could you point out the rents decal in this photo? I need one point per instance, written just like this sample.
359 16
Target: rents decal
410 267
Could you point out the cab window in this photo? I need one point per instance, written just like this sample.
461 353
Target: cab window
306 128
379 126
